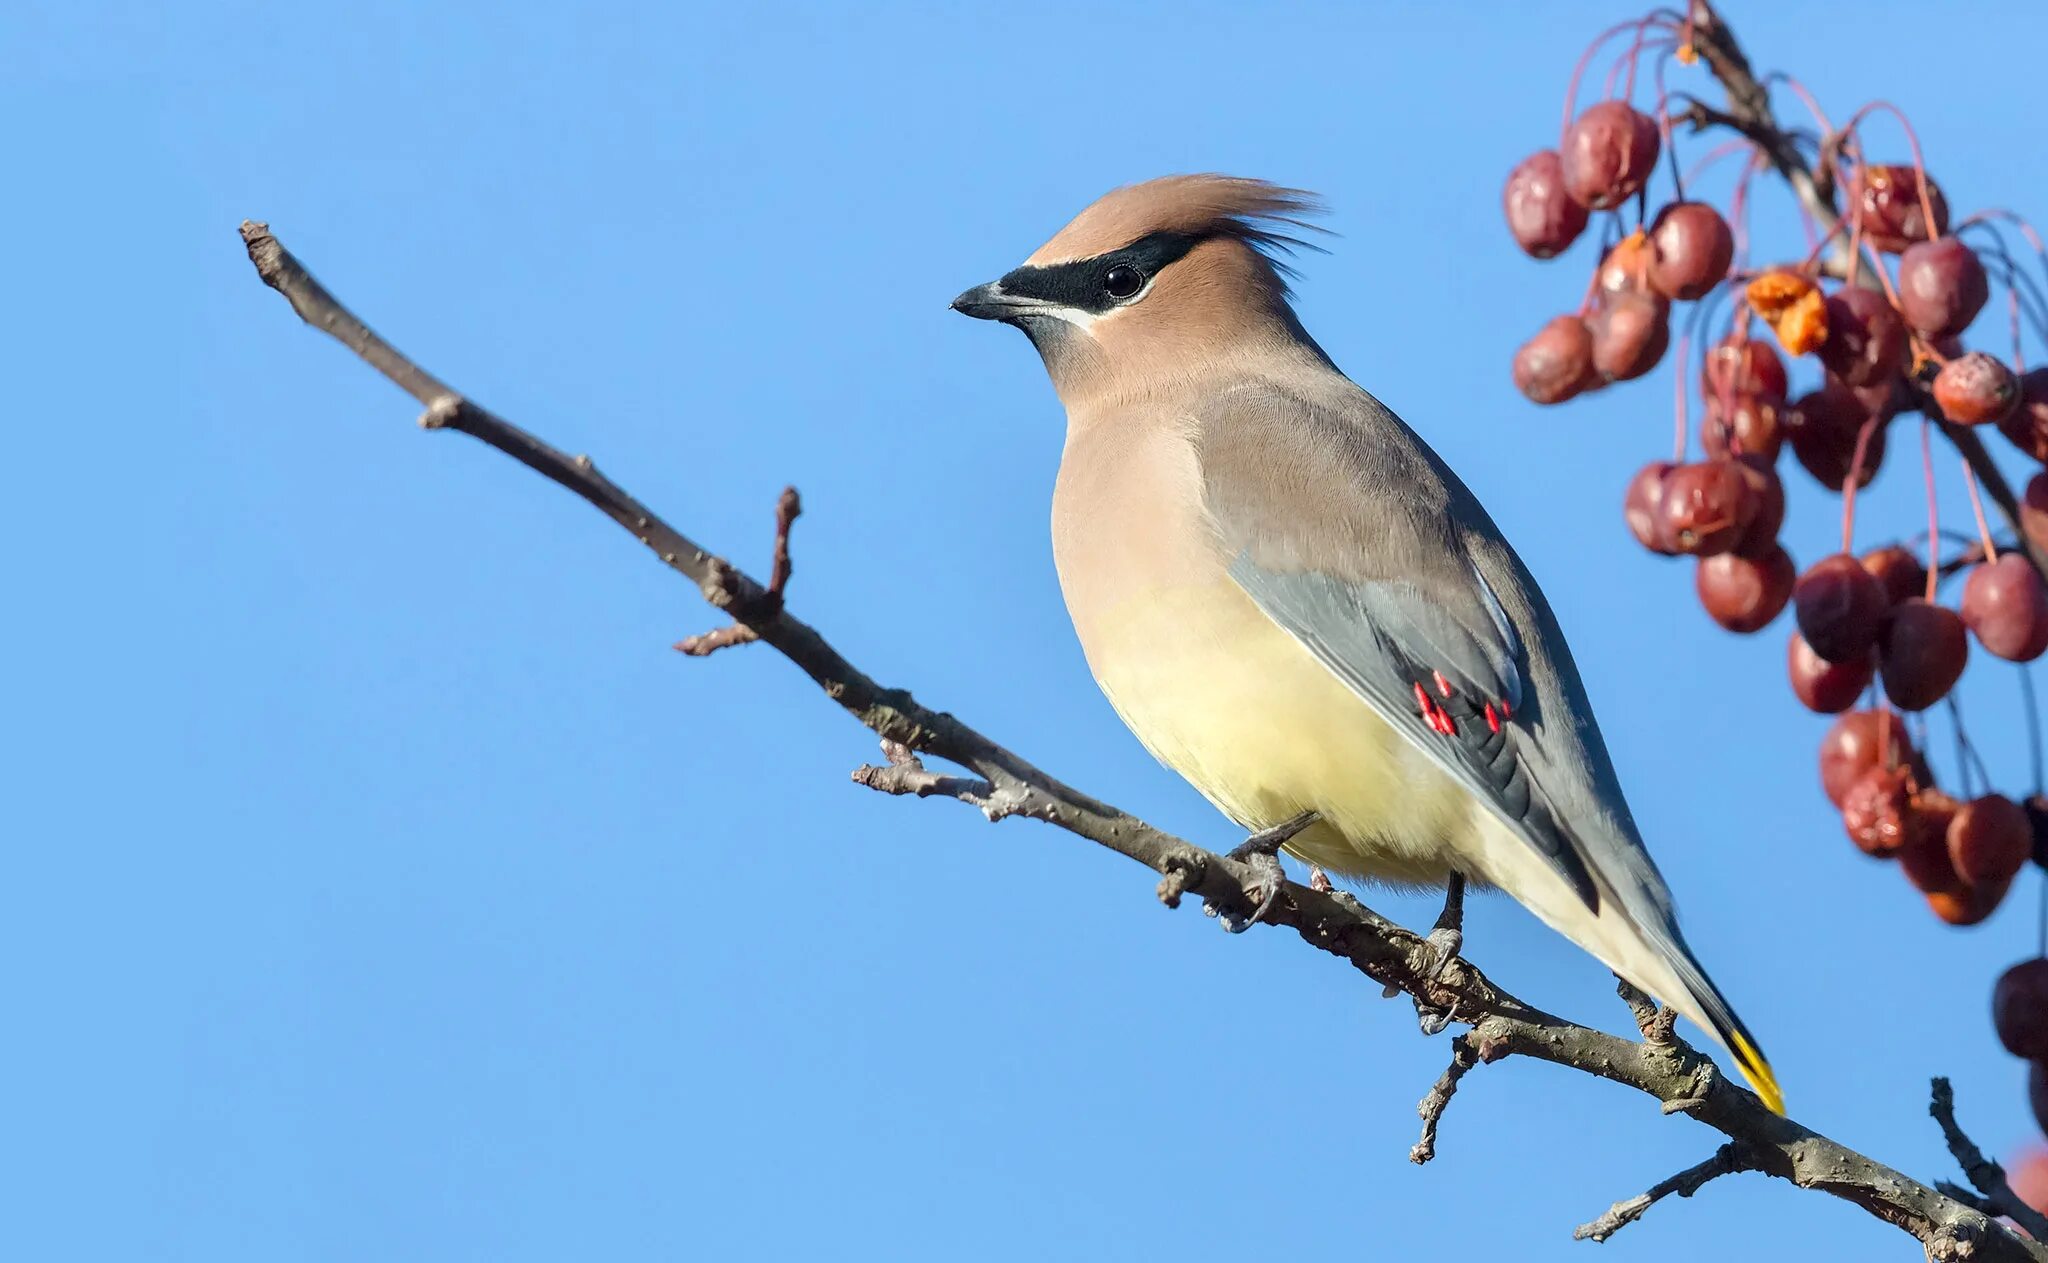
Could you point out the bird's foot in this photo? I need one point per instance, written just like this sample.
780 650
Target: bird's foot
1318 880
1445 940
1447 936
1261 852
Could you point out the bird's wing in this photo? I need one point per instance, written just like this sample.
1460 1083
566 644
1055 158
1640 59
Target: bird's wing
1353 538
1344 527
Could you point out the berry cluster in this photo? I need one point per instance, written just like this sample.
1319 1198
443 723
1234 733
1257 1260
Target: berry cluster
1877 312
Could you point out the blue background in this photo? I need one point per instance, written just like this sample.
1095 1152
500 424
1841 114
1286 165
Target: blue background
380 885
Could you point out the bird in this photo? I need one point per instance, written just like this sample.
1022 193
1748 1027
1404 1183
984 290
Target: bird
1293 602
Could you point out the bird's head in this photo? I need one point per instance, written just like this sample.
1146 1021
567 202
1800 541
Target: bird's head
1154 278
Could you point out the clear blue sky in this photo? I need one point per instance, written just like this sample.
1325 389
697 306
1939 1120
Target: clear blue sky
381 886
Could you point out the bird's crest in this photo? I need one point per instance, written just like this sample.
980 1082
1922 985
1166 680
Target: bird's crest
1265 216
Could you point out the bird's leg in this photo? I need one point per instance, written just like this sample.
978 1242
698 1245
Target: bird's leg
1261 851
1318 880
1446 937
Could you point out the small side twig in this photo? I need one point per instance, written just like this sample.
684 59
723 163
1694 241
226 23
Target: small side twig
1464 1056
1986 1176
905 773
1727 1160
1656 1024
788 507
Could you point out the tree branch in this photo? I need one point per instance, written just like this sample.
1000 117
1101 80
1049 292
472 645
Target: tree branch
1464 1056
1005 784
1727 1160
1986 1176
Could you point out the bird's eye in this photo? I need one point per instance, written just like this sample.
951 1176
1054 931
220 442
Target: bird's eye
1122 281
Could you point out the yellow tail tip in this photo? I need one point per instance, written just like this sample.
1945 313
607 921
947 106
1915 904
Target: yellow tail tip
1758 1071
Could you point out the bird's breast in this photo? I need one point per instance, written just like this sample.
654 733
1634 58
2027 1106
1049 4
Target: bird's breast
1219 692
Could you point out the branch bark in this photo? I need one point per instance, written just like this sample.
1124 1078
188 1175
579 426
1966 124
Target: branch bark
1004 784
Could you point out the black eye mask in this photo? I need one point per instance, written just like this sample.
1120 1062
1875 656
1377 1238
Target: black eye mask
1082 284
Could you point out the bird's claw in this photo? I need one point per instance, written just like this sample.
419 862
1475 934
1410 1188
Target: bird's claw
1445 940
1271 878
1261 853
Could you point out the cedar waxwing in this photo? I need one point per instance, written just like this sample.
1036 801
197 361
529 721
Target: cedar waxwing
1294 603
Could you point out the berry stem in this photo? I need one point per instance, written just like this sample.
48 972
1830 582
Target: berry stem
1684 426
1715 155
2033 724
1912 142
1806 98
2023 291
1855 478
1933 512
1571 92
1977 508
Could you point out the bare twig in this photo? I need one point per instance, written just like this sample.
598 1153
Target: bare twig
1006 784
788 507
1464 1056
905 773
1986 1176
704 644
1727 1160
1657 1025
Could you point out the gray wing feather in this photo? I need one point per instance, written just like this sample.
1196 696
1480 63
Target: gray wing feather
1385 642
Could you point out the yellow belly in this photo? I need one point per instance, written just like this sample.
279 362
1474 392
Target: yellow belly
1222 695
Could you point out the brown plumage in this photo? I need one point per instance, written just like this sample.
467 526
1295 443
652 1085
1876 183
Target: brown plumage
1294 603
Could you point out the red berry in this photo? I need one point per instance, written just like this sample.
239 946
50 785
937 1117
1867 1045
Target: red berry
1921 653
1863 739
1866 339
1897 571
2034 510
1625 269
2006 605
1824 687
1970 905
1989 840
1608 154
1541 215
1742 366
1630 334
1557 363
1747 425
1744 595
2027 425
2019 1009
1707 507
1875 810
1924 857
1889 197
1942 287
1823 427
1643 506
1762 535
1975 388
1840 608
1690 250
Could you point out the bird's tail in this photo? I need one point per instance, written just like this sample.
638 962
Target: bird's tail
1631 930
1711 1010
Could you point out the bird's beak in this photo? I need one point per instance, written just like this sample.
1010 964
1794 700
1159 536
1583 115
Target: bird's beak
993 302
